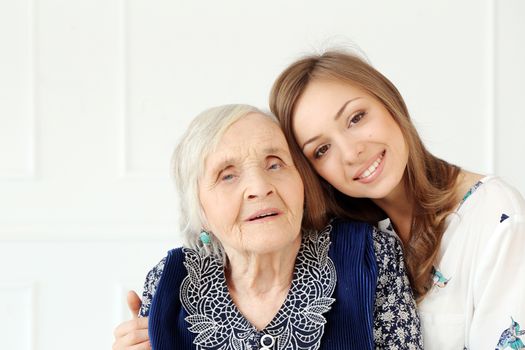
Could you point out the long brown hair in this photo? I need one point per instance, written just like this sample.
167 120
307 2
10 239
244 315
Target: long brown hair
429 181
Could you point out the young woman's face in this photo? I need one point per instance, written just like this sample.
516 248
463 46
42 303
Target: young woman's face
251 193
351 139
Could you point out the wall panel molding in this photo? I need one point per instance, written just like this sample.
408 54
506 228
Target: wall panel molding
17 308
122 124
491 134
509 74
18 131
85 231
145 123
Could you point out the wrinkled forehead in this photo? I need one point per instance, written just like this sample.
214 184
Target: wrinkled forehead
252 137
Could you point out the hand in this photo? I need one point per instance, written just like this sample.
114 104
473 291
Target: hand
132 334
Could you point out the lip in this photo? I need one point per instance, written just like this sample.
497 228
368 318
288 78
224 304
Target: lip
376 173
254 215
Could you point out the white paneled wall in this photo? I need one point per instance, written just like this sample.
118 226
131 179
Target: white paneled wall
509 91
94 95
17 131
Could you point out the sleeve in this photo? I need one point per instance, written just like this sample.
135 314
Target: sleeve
396 321
498 319
150 286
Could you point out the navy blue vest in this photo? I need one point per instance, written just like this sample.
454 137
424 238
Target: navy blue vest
349 322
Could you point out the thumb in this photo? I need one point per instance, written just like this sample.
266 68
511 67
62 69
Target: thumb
134 303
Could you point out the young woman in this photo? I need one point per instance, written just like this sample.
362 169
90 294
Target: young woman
463 233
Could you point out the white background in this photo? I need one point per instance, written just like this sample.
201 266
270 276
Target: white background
95 93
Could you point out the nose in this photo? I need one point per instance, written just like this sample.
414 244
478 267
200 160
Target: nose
258 185
351 150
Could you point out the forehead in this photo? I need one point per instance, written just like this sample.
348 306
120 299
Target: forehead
250 131
320 102
323 93
254 134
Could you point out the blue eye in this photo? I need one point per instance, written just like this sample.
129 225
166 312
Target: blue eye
356 118
321 151
275 166
228 177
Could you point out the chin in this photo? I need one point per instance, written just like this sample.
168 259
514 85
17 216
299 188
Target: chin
378 192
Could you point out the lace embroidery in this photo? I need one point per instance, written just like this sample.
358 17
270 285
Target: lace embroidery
150 287
299 324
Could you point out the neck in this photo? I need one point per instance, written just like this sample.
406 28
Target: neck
399 208
259 274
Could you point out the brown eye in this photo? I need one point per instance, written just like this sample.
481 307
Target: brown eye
321 151
356 118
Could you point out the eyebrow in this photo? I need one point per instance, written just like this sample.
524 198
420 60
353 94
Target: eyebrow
219 167
336 116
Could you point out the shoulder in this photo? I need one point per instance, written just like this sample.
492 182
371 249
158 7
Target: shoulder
496 195
352 252
386 241
349 231
388 251
345 225
349 239
153 278
494 210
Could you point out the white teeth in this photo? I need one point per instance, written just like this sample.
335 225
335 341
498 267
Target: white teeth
264 215
372 168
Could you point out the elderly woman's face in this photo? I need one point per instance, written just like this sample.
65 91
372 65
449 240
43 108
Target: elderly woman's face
251 192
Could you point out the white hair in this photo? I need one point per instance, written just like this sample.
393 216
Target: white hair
200 139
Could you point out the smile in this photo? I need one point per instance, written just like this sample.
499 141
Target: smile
371 169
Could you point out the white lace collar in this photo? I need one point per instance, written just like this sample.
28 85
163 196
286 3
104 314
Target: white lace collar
299 324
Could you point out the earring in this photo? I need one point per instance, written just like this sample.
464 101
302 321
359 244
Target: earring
205 237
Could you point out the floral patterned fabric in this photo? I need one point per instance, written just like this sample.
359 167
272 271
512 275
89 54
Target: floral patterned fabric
396 321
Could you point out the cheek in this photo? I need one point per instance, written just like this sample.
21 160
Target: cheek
291 191
220 210
330 169
402 145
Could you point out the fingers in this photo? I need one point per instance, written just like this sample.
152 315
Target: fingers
130 326
132 335
142 346
134 303
136 337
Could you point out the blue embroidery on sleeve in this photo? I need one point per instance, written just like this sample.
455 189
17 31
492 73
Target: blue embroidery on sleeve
510 337
503 217
438 278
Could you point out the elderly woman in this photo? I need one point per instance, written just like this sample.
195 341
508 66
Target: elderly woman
249 276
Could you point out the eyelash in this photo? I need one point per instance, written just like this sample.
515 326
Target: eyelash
277 162
317 151
227 177
356 118
359 115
